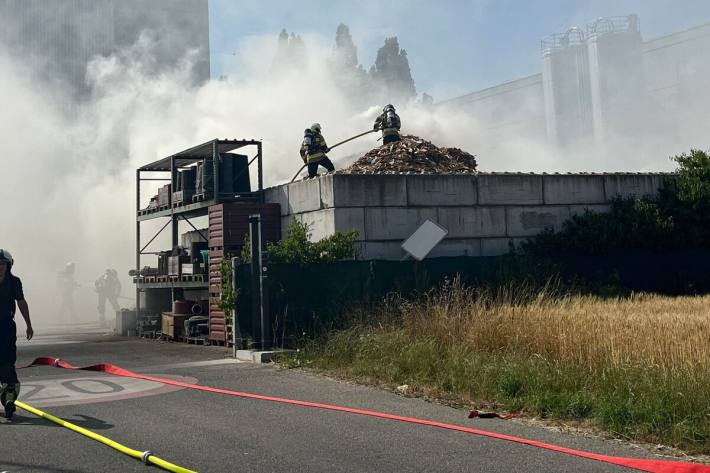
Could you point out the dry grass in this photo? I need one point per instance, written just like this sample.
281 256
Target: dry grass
637 366
671 333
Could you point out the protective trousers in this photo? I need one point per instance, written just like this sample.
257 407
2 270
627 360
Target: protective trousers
8 352
325 162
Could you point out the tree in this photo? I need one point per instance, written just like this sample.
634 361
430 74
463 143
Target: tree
290 52
391 71
347 73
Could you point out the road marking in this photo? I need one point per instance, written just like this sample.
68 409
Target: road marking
196 364
93 389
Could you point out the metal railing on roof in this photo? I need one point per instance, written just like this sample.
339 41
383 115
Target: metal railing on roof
614 24
572 37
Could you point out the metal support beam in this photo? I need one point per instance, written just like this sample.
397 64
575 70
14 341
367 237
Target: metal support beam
216 164
140 252
261 320
173 218
138 240
261 172
254 227
235 290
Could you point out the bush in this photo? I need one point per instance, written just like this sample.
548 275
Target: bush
679 218
297 248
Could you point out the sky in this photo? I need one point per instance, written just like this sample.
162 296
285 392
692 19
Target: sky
454 47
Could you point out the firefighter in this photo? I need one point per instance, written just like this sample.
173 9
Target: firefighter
108 288
389 123
314 149
67 286
11 296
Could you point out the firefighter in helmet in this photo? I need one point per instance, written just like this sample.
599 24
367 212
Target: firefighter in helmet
314 149
11 297
389 123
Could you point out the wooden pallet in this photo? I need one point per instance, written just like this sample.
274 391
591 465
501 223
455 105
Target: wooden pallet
196 340
199 198
149 278
192 278
163 207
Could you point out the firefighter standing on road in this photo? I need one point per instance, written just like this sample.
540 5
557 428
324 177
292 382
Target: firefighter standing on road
314 149
390 124
109 288
11 296
67 286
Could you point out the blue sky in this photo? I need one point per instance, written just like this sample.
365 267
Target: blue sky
454 47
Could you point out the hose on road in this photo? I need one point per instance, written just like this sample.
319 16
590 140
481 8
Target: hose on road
642 464
146 457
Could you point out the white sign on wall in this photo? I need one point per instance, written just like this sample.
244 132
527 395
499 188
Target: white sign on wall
422 241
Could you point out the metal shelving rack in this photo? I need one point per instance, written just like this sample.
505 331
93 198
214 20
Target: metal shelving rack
175 212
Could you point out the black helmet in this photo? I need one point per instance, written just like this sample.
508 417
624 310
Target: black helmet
388 107
6 257
315 128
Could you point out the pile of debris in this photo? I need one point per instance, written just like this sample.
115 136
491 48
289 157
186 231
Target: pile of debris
415 156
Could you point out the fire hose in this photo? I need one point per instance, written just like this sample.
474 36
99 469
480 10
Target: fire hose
651 466
146 457
336 144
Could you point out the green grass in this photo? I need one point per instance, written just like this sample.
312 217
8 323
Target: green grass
662 403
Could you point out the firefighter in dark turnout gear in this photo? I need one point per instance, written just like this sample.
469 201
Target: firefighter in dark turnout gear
11 296
314 149
108 287
390 124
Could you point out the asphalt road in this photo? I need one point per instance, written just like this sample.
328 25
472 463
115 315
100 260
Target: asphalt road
217 433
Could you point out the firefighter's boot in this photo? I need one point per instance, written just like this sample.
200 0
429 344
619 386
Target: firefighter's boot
8 398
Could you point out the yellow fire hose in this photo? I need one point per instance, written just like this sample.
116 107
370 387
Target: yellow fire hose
146 457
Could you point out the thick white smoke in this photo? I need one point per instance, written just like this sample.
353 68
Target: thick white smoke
68 191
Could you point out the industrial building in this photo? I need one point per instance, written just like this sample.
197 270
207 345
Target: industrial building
57 39
600 83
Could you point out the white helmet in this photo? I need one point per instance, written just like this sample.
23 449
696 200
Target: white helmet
315 127
6 257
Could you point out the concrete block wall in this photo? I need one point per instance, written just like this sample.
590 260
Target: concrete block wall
484 214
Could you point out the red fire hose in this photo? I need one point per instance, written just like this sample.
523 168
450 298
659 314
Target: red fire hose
652 466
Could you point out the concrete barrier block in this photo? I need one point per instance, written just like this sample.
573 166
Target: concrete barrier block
320 223
386 250
463 247
499 246
395 223
472 222
352 190
327 198
523 189
573 189
286 222
441 190
304 196
598 208
347 219
529 221
278 195
632 185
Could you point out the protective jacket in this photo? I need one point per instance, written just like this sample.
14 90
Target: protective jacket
314 147
389 123
10 293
